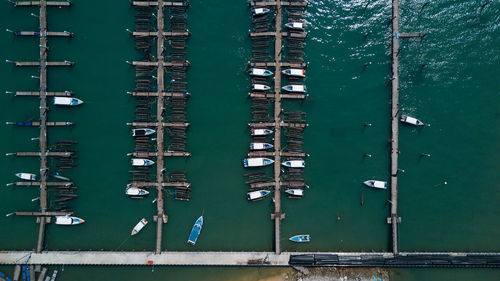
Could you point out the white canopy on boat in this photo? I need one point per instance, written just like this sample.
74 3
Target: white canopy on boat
255 195
255 162
258 71
411 120
296 71
379 184
260 87
298 25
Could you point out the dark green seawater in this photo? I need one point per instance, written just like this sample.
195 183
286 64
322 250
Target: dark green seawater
457 92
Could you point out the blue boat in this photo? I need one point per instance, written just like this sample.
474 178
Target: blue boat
195 232
301 238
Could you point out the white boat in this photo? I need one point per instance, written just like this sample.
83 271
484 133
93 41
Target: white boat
136 192
411 120
140 162
260 87
261 132
260 72
376 184
295 192
295 88
295 25
257 162
256 195
260 146
67 101
26 176
68 220
295 72
142 132
294 164
260 11
139 226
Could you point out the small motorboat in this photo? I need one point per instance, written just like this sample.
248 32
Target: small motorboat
260 146
256 195
295 72
68 220
26 176
140 162
295 88
139 226
294 164
376 184
67 101
142 132
300 238
261 132
295 25
260 11
257 162
136 192
195 231
260 87
411 120
295 192
259 72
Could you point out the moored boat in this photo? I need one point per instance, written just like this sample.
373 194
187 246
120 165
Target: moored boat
140 162
260 87
136 192
257 162
260 11
411 120
294 164
261 132
295 192
260 146
67 101
195 231
260 72
142 132
68 220
139 226
295 88
295 25
26 176
302 238
258 194
295 72
376 184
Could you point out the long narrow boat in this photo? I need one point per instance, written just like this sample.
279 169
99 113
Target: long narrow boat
67 101
295 192
260 72
376 184
261 132
195 231
303 238
257 195
260 87
140 162
260 146
68 220
136 192
412 121
294 72
294 164
139 226
26 176
260 11
257 162
295 88
142 132
295 25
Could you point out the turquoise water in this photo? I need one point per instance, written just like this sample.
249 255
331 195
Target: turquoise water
457 92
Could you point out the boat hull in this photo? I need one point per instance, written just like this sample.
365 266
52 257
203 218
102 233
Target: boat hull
300 238
139 226
195 231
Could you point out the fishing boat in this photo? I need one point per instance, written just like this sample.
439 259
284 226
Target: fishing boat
295 88
259 72
68 220
295 72
294 164
260 146
256 195
411 120
139 226
142 132
300 238
295 25
295 192
260 87
261 132
136 192
140 162
195 231
376 184
257 162
26 176
67 101
260 11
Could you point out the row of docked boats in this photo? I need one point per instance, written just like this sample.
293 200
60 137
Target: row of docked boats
292 72
289 88
261 194
262 161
